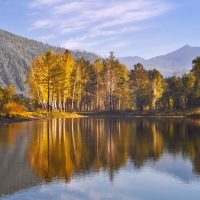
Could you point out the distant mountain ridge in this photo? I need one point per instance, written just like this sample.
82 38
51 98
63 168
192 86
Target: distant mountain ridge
16 54
176 62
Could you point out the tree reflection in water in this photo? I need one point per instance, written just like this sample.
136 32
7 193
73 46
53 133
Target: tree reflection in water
63 148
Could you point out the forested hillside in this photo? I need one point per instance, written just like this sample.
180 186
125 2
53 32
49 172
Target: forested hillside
17 53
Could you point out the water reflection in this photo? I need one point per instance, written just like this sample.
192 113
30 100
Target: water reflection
15 172
62 148
68 148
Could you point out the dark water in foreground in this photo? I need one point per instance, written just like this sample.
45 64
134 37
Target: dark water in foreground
136 159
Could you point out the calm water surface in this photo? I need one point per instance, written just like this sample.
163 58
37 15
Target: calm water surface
96 158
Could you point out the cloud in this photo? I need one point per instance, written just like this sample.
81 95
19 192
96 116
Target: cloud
77 43
39 3
99 15
47 37
45 23
95 19
97 32
132 29
119 44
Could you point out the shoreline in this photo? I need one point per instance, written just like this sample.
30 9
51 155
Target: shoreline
28 119
17 120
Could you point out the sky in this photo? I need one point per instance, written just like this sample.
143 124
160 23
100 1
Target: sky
144 28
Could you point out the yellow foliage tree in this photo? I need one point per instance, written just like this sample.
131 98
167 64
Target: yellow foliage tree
49 79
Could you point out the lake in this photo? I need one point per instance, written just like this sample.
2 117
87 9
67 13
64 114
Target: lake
101 158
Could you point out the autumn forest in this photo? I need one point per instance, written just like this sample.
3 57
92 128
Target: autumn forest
59 82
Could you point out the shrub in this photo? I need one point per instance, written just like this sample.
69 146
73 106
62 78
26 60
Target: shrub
13 107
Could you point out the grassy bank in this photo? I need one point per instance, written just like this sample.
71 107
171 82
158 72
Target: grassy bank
14 117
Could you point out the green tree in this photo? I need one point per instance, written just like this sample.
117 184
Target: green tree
174 93
115 81
138 85
121 93
188 81
196 67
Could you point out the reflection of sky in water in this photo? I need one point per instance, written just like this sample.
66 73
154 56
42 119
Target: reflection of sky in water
174 166
138 185
153 181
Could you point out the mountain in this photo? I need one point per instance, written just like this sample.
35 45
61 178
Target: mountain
176 62
16 54
130 59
